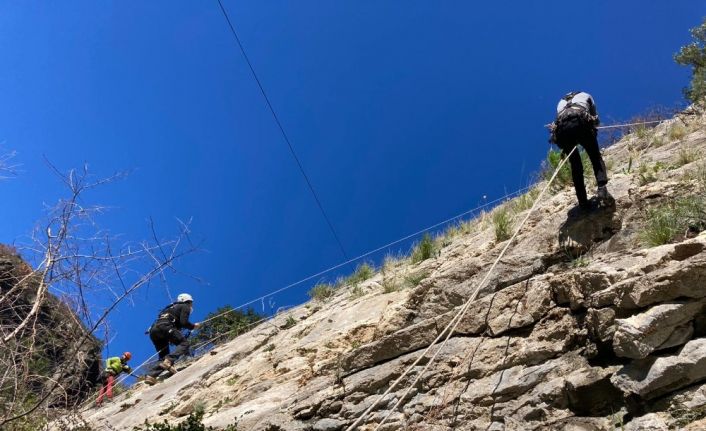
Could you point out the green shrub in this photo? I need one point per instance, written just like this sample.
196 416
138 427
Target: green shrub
685 156
657 141
413 280
563 178
648 173
641 131
693 55
579 262
673 219
321 292
291 321
362 272
525 201
676 132
700 176
390 284
502 224
192 423
29 423
357 292
229 324
423 250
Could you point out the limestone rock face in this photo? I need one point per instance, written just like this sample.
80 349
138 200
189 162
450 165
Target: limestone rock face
656 376
660 327
580 327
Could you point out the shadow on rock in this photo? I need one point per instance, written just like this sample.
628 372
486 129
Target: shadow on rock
585 228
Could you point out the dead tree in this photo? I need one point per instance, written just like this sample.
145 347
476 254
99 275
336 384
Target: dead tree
74 259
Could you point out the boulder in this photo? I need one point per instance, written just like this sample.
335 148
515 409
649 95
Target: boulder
660 327
655 376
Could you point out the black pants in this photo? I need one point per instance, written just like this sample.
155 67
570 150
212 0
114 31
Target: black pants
567 138
161 337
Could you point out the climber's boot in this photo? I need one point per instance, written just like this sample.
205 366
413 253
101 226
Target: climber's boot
604 197
168 365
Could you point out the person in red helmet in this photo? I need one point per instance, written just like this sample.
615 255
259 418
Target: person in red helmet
113 367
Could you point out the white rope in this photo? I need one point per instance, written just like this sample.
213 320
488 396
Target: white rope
320 273
629 124
453 324
364 255
614 126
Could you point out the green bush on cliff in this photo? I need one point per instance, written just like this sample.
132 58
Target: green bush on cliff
694 55
229 324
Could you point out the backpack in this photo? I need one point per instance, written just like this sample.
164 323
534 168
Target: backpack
572 115
164 316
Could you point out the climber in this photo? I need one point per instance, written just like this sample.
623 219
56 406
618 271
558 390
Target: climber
576 123
113 367
167 329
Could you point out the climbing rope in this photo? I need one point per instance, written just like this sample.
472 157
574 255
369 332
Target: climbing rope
615 126
325 271
456 320
371 252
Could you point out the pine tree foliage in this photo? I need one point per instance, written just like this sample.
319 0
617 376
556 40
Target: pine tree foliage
694 55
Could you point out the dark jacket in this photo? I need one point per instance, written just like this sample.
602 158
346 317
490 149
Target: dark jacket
175 315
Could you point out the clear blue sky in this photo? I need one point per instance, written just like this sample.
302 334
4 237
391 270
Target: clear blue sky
403 114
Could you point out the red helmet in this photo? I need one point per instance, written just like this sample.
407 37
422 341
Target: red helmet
127 356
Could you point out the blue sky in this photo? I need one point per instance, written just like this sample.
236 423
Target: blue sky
403 114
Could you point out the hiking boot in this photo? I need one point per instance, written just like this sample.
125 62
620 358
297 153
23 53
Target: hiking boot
168 365
150 380
603 195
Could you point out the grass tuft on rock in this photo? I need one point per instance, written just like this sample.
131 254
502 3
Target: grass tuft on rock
502 224
362 272
423 250
321 292
679 218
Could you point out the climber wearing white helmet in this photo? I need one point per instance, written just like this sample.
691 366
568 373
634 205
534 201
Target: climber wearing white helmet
167 330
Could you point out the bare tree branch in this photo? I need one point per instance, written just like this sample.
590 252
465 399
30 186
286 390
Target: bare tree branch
84 263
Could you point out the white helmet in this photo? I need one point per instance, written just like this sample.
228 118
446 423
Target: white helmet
184 297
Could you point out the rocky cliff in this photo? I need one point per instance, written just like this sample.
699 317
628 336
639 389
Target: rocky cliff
584 325
52 348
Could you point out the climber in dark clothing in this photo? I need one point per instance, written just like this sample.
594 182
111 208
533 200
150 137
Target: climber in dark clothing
167 330
575 124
